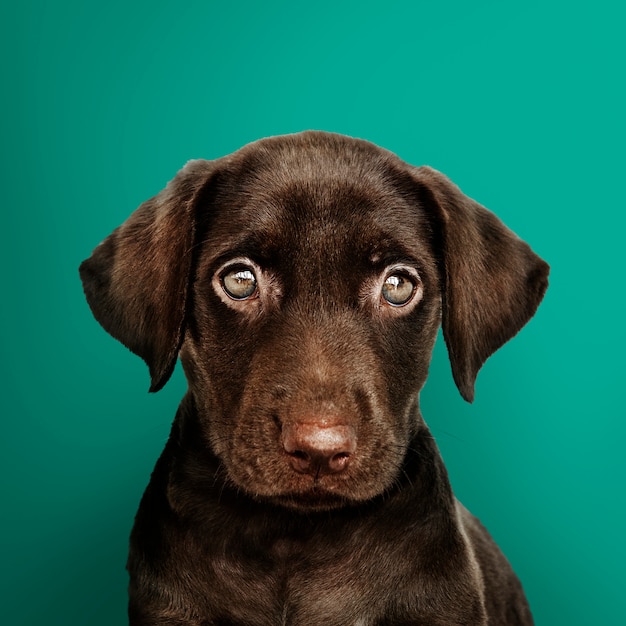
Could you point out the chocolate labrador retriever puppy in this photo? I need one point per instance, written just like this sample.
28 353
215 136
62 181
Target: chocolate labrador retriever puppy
302 280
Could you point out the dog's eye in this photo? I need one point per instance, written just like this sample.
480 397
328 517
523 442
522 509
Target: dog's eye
398 289
239 283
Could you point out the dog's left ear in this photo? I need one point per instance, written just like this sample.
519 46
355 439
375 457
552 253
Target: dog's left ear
136 281
492 281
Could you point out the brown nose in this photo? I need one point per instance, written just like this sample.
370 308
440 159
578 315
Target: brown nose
317 449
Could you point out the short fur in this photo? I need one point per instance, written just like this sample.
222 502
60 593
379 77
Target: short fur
249 519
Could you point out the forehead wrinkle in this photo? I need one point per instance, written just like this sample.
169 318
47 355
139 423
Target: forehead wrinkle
316 215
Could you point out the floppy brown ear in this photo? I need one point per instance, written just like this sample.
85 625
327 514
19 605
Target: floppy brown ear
136 281
492 281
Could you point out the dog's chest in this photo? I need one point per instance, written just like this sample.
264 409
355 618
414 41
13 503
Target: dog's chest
288 585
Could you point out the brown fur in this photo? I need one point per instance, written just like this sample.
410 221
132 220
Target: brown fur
300 484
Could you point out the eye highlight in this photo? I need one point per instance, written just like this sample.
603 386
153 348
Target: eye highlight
239 283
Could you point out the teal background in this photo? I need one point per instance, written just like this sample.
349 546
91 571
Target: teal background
521 104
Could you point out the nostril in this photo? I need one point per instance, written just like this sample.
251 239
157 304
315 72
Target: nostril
339 461
301 462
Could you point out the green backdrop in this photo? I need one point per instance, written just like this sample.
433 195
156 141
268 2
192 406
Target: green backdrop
521 104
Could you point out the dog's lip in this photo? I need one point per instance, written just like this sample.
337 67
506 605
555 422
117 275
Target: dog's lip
315 498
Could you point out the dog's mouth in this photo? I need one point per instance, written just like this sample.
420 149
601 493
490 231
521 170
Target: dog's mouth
314 499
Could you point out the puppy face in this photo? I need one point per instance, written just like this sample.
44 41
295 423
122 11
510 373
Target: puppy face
304 279
316 303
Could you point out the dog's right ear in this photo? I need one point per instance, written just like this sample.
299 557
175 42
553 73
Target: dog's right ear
137 280
492 281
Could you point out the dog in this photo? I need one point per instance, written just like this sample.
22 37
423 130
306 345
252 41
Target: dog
302 281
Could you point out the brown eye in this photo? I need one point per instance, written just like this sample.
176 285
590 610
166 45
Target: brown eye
239 283
398 289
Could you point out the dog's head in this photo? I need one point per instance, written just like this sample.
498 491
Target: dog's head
303 279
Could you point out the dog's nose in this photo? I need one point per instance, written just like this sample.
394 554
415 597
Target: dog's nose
317 449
